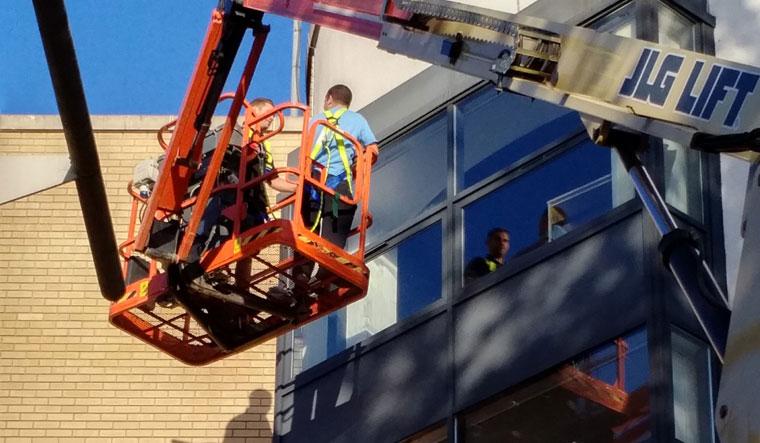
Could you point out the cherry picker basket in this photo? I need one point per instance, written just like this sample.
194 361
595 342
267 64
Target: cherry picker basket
203 304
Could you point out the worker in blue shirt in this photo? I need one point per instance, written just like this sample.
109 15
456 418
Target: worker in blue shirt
337 155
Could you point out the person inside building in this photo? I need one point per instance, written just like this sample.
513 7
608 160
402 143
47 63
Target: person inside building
497 243
337 154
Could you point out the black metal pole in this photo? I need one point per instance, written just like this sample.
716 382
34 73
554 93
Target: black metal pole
680 249
72 107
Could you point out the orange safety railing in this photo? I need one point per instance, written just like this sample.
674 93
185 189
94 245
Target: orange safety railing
167 311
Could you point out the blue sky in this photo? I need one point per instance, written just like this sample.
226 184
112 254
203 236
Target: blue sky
135 56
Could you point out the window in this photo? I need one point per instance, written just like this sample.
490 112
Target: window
409 178
545 203
601 396
674 29
692 392
620 22
683 175
403 280
495 136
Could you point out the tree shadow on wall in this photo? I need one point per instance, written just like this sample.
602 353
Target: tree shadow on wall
253 424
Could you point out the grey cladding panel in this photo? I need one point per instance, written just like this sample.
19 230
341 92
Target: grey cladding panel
384 395
561 307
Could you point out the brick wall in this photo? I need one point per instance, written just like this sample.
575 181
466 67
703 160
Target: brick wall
65 373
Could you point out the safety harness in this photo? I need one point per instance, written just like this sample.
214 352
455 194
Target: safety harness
267 154
325 140
266 164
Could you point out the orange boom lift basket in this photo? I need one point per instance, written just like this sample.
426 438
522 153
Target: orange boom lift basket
203 304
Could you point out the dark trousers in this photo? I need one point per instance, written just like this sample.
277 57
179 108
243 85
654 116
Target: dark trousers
331 228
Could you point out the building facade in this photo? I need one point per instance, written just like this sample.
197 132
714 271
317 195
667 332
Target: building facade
581 336
66 374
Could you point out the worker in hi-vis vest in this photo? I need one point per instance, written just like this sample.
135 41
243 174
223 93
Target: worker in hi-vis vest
497 243
256 197
321 212
260 107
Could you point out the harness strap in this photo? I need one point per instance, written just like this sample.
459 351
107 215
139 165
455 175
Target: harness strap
268 160
327 137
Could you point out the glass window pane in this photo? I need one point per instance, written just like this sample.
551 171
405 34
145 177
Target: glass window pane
403 280
601 396
683 178
692 393
409 178
674 29
545 203
620 22
495 136
683 174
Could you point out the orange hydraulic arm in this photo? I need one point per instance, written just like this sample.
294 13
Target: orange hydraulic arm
223 37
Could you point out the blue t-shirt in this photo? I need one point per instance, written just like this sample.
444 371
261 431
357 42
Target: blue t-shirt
351 123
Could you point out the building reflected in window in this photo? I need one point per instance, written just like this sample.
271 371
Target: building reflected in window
599 397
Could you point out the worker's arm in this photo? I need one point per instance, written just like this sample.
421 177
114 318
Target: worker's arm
282 185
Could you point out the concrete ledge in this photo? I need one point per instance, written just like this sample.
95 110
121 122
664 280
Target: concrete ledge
9 122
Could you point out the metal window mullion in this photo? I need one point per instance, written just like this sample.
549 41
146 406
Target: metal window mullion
451 249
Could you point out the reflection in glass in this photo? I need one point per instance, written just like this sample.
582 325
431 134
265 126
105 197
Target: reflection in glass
675 30
578 204
403 280
683 175
409 178
601 396
576 185
620 22
495 136
692 393
683 178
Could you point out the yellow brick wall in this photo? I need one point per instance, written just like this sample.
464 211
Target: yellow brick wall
65 373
